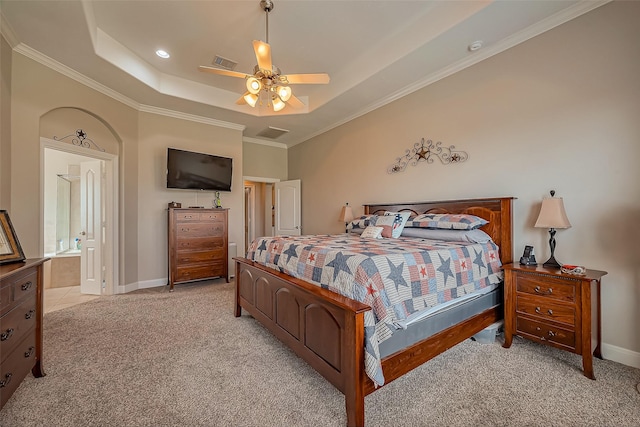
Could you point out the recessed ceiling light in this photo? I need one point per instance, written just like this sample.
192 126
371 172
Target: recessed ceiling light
162 53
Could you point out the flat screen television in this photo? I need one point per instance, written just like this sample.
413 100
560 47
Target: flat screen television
198 171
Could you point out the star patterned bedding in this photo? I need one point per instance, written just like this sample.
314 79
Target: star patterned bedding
395 277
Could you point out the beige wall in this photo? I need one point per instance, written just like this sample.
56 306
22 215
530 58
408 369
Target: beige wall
5 129
39 108
264 161
559 111
36 91
156 134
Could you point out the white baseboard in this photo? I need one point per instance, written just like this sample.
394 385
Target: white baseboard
621 355
142 285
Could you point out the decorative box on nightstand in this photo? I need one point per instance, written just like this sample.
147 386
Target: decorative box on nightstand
553 308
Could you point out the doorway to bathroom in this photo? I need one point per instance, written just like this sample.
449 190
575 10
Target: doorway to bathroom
79 228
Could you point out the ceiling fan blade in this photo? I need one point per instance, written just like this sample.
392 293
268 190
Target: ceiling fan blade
263 54
222 72
308 79
295 102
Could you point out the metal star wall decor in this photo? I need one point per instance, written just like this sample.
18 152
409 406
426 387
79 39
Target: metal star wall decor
80 140
426 151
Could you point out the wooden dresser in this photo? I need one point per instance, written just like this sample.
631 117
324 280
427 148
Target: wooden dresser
553 308
21 293
198 244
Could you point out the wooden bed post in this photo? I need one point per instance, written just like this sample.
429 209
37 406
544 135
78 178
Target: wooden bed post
354 386
237 309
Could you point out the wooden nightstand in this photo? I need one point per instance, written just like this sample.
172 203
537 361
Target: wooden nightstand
553 308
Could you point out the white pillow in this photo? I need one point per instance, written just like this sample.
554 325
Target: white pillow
372 232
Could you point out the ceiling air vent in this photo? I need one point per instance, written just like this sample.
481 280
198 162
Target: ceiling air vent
224 63
272 132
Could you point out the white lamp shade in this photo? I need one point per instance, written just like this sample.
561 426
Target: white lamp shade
277 103
284 92
552 214
346 215
253 85
251 99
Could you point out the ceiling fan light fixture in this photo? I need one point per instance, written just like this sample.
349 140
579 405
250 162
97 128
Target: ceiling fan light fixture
254 85
267 77
284 92
277 103
251 99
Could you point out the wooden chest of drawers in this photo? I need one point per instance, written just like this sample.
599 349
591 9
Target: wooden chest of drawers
198 244
561 310
20 324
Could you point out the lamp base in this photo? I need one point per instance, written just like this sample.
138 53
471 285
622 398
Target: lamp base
552 263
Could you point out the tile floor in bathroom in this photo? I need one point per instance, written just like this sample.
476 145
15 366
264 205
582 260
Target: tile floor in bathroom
57 298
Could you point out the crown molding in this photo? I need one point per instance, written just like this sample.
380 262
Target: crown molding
190 117
7 31
538 28
264 142
51 63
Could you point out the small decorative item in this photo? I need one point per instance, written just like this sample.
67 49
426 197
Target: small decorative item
425 151
175 205
80 139
216 201
10 249
576 270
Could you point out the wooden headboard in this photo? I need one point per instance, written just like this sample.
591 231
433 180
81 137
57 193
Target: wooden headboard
495 210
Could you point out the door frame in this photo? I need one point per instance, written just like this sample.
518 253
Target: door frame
255 179
250 213
111 265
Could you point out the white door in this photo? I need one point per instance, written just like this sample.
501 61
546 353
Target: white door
91 223
287 211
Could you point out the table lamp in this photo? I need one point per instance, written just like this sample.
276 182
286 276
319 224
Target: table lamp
346 215
552 216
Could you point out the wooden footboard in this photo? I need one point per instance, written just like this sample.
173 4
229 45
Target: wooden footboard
323 328
327 329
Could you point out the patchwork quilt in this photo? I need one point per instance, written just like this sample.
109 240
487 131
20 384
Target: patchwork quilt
396 277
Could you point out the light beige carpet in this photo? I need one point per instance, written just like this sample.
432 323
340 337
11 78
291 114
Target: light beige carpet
154 358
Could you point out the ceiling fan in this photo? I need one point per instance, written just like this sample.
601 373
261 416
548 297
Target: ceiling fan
267 81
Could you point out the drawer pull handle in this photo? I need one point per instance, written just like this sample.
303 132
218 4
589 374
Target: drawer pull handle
539 291
549 312
28 353
26 286
28 315
7 380
6 334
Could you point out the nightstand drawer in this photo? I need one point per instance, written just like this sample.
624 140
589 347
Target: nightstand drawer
546 308
540 331
546 286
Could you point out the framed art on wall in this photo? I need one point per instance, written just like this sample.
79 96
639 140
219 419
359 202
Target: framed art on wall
10 249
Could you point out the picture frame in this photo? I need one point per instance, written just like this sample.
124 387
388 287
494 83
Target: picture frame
10 249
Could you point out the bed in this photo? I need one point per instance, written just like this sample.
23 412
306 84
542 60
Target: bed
327 329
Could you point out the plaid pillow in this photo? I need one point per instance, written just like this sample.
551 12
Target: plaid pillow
447 221
359 224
